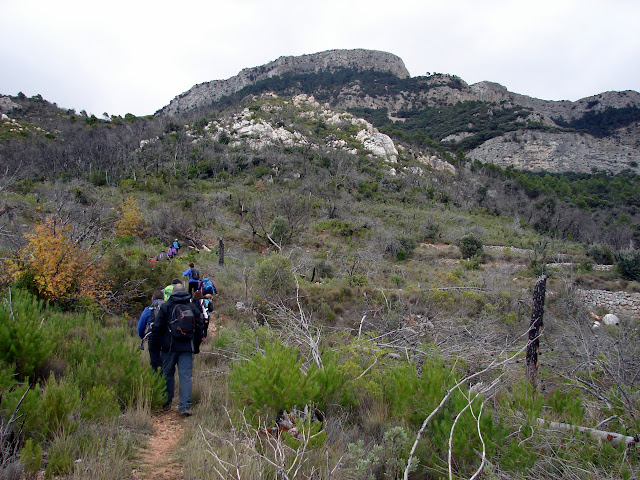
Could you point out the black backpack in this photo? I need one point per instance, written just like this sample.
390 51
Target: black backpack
195 274
152 312
183 321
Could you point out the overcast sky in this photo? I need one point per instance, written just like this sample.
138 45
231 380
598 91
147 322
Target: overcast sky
121 56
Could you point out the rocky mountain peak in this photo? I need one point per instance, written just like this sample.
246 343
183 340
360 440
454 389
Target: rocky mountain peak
357 59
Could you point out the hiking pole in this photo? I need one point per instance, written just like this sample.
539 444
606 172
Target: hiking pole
143 339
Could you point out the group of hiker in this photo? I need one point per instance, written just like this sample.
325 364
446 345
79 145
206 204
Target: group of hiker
175 324
172 252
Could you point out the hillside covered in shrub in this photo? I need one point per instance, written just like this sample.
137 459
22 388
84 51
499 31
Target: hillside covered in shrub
380 298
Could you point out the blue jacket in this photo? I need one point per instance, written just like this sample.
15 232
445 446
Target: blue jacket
145 318
188 274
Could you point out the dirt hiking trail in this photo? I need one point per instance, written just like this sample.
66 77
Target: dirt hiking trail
157 458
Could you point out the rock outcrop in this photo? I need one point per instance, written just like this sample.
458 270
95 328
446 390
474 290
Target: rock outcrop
558 152
359 59
496 93
348 133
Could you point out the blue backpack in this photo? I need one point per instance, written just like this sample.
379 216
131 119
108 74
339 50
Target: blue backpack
207 286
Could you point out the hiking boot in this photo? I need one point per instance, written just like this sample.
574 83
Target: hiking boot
166 407
186 413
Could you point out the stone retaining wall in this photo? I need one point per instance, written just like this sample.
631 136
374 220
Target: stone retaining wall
618 303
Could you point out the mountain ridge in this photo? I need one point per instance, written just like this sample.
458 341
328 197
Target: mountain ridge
207 92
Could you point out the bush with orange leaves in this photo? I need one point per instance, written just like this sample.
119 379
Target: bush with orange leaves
131 224
57 268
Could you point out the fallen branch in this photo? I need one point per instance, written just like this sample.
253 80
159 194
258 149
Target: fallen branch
615 438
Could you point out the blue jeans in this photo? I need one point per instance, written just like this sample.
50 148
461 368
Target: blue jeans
184 361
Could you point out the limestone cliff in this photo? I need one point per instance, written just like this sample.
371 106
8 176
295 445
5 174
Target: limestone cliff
206 93
558 152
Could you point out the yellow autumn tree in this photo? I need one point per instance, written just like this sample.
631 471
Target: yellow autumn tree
131 223
58 268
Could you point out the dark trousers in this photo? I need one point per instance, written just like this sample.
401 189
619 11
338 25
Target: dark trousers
184 362
155 359
193 287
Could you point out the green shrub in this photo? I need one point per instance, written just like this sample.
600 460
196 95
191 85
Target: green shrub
470 245
324 269
335 387
31 457
411 397
60 458
568 407
472 263
360 463
58 402
358 280
26 340
271 382
274 276
397 280
280 230
601 254
628 264
101 403
113 358
24 401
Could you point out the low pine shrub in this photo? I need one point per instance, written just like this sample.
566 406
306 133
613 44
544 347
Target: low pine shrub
270 382
60 458
101 403
113 358
58 403
411 397
26 341
31 458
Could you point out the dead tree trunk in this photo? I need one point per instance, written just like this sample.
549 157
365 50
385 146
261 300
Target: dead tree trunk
535 329
220 252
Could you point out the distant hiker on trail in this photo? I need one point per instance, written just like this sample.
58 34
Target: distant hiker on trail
176 244
171 252
168 290
177 333
145 324
194 278
207 286
160 256
206 306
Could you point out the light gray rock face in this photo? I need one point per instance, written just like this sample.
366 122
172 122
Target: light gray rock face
496 93
246 128
558 152
359 59
7 105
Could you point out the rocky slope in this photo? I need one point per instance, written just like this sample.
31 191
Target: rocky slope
558 152
538 138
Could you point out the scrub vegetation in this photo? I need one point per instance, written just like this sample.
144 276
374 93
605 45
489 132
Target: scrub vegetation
370 325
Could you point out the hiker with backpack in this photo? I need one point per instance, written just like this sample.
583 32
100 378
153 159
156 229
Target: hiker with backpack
206 306
207 287
168 290
145 324
177 332
194 278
